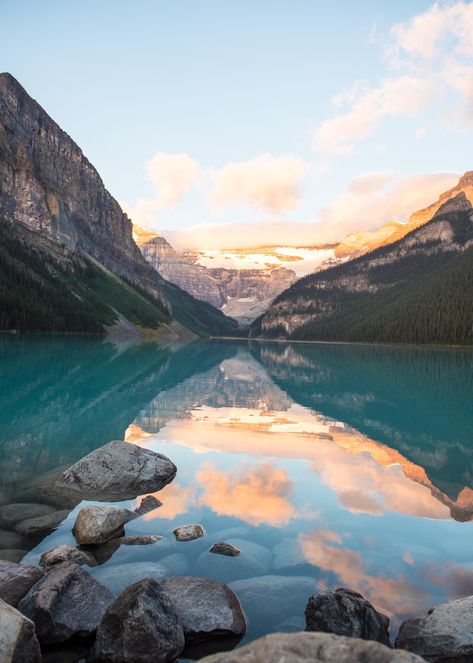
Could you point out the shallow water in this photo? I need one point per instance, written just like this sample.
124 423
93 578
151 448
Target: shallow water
327 465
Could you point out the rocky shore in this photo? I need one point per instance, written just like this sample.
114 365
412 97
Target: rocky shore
71 608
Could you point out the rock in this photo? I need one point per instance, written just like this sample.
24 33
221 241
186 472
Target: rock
13 554
105 551
118 470
41 524
253 560
188 532
138 540
176 564
66 602
10 539
223 548
208 609
139 626
269 600
119 576
147 504
443 635
97 524
16 580
344 612
313 648
66 553
288 553
10 514
18 642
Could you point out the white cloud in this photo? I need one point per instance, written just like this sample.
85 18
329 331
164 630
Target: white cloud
172 175
429 59
268 183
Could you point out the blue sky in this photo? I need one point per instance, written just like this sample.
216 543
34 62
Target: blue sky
253 83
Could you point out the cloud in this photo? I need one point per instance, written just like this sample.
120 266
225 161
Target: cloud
172 175
266 182
429 59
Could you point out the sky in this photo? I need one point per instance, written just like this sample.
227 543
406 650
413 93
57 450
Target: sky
246 122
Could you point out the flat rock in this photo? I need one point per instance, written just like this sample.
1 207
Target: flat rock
10 539
10 514
66 602
222 548
188 532
141 625
13 554
66 553
443 635
208 609
345 612
18 642
147 504
118 470
313 648
139 540
16 580
118 576
97 524
41 524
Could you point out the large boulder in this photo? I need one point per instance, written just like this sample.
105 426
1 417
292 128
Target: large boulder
66 602
443 635
141 625
97 524
344 612
118 470
313 648
208 609
18 642
66 553
16 580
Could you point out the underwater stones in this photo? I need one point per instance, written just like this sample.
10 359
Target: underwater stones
11 514
139 626
65 603
97 524
18 642
345 612
139 540
118 576
16 580
41 524
66 553
188 532
253 560
208 609
222 548
118 470
13 554
9 539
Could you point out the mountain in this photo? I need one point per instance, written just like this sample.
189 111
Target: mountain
417 289
242 294
68 259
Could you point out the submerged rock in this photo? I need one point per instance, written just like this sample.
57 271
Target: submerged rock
208 609
10 539
119 576
97 524
188 532
147 504
443 635
41 524
13 554
66 553
141 625
118 470
344 612
313 648
10 514
18 642
66 602
139 540
16 580
226 549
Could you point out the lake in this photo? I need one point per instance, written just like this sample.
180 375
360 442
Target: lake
327 465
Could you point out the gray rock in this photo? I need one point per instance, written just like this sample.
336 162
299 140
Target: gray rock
208 609
119 576
41 524
188 532
18 642
10 514
147 504
13 554
344 612
253 560
118 470
16 580
176 564
313 648
139 626
66 602
222 548
97 524
443 635
10 539
138 540
288 553
66 553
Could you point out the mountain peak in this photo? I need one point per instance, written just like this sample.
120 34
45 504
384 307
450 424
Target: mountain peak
460 203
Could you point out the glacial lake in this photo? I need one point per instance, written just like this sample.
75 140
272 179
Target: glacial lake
327 465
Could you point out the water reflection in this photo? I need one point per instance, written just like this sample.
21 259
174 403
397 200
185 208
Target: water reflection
326 465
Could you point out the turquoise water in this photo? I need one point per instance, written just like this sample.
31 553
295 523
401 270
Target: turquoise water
327 465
